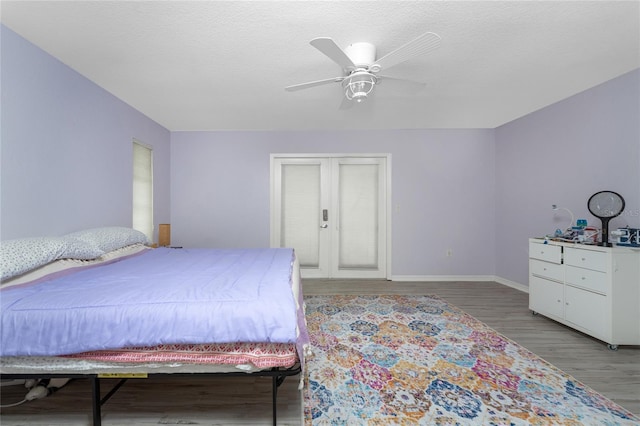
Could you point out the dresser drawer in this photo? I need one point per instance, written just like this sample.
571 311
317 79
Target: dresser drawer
546 297
596 260
546 252
586 278
552 271
589 311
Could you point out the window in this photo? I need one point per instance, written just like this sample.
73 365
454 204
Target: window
143 189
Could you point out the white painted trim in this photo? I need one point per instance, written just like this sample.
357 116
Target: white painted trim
443 278
512 284
449 278
389 213
329 155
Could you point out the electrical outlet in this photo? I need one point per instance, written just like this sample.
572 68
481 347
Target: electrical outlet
449 252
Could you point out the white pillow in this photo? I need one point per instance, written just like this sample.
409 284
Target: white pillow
22 255
68 265
78 249
110 238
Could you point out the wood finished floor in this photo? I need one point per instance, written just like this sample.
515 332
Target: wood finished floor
247 401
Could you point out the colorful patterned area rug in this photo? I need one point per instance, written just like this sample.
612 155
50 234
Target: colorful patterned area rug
417 360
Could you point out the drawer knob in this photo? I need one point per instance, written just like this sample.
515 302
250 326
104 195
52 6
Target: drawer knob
584 278
583 259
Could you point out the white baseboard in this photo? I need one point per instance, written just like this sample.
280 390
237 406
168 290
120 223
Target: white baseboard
512 284
484 278
442 278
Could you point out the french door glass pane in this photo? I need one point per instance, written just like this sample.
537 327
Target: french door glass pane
358 201
300 217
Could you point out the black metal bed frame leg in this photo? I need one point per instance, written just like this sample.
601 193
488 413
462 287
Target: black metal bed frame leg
276 382
95 400
274 398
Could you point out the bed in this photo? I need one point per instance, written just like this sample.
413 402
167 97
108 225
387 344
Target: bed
100 303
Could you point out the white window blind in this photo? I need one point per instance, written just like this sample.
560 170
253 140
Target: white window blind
358 203
301 211
143 189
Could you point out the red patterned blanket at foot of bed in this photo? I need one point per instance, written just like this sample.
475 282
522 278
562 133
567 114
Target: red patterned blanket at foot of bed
261 355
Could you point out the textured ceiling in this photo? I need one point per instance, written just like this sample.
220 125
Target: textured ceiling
208 65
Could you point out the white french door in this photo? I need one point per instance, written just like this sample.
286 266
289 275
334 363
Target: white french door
333 211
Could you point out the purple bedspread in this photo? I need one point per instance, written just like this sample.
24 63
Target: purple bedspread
161 296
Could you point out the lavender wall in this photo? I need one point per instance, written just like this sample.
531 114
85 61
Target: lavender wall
66 165
66 148
442 191
562 155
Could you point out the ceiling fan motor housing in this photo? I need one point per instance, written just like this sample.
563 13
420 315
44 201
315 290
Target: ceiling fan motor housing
362 54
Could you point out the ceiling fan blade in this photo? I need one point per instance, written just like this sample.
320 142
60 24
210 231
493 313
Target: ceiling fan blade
333 51
423 44
313 84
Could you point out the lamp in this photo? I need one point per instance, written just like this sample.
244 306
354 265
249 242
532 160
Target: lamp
164 235
359 84
555 207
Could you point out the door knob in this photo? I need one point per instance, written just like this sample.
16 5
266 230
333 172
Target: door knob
324 225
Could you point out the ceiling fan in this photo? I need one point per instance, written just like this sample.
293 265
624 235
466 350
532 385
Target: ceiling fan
361 68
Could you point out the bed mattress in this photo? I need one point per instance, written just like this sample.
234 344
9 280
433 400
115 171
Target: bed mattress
160 297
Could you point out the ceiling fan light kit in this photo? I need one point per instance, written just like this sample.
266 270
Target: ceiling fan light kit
360 66
359 85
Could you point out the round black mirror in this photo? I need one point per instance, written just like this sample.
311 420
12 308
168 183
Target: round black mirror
605 205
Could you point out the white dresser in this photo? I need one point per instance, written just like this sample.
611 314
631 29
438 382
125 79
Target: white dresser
593 289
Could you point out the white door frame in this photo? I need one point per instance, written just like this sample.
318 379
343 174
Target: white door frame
273 226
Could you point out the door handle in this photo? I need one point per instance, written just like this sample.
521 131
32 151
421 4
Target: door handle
324 225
